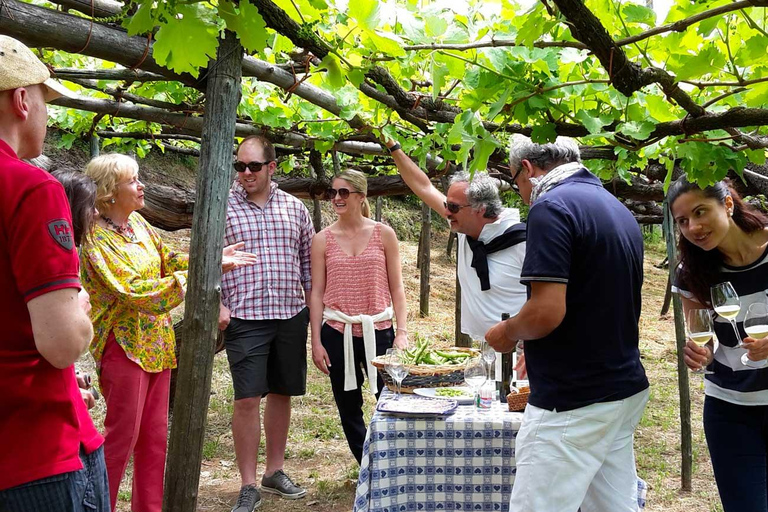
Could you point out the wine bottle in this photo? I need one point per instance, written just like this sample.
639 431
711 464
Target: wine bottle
506 370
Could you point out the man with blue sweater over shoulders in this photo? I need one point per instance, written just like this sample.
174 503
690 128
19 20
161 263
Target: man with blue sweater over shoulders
584 272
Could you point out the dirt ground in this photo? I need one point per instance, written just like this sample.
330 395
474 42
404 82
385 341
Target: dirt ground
319 459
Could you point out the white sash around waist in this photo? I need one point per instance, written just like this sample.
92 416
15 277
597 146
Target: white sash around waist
369 341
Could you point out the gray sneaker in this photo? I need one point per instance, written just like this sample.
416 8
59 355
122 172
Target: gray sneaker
248 500
279 483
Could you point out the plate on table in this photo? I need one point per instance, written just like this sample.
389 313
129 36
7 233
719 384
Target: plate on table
462 394
417 406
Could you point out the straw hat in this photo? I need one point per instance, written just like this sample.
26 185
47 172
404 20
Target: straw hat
19 67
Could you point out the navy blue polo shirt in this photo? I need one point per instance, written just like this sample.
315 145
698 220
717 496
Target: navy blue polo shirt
582 236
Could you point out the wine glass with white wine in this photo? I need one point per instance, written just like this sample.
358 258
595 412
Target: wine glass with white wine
726 303
699 324
396 368
756 326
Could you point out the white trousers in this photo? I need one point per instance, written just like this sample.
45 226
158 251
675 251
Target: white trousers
580 458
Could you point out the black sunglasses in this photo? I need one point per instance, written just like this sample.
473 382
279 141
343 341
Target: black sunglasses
343 193
252 166
453 207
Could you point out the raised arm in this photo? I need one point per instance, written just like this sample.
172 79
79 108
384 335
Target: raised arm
396 288
417 180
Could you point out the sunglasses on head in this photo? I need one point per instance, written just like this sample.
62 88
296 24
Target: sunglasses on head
252 166
453 207
342 192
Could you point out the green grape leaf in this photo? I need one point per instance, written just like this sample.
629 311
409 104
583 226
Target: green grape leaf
438 72
365 13
324 145
386 43
482 152
756 156
247 24
592 124
757 95
659 108
185 45
637 129
634 13
142 21
435 26
544 133
335 73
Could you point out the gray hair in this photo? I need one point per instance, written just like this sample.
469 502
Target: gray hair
481 192
544 156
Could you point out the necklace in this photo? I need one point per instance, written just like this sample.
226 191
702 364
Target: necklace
126 230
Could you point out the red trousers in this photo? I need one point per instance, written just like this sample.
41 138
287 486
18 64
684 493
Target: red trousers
136 424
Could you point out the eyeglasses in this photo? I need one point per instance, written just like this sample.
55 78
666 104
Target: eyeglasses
453 207
251 166
514 180
342 192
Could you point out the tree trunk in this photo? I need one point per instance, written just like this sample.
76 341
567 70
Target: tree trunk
424 258
686 442
185 450
379 205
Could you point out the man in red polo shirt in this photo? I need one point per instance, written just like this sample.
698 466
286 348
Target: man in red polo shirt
51 458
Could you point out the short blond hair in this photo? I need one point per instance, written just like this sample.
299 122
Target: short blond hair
107 171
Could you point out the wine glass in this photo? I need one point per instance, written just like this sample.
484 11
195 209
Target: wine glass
474 374
489 356
396 368
756 326
699 326
726 303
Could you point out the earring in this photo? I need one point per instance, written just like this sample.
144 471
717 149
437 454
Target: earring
112 200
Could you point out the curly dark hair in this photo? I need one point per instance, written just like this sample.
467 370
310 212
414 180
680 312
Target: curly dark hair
700 268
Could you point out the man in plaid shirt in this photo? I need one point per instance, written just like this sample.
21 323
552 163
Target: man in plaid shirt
265 315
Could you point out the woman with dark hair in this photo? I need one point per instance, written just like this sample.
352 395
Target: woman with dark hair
724 239
81 193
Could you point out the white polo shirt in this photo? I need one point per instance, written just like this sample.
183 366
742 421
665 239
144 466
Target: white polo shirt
481 310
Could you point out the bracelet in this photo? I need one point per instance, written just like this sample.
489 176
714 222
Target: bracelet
392 150
401 329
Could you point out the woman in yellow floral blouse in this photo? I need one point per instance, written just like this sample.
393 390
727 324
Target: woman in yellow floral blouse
134 280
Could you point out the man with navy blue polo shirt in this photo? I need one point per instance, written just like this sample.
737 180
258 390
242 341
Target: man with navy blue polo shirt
584 272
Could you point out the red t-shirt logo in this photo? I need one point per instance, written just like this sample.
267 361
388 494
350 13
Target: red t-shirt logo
61 232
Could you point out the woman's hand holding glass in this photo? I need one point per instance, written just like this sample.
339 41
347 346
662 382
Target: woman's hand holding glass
232 257
699 328
756 327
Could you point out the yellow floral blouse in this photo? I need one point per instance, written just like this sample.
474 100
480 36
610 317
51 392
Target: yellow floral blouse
133 287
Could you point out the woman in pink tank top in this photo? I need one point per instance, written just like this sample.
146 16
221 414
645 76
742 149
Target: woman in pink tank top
356 280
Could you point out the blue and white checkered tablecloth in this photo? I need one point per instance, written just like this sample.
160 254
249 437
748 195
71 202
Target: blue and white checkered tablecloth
464 461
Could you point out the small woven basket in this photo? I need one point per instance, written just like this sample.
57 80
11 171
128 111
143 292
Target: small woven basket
426 375
517 399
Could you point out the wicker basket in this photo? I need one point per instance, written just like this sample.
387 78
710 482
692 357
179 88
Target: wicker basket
427 375
517 399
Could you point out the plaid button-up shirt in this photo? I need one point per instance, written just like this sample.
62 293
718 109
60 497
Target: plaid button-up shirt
280 235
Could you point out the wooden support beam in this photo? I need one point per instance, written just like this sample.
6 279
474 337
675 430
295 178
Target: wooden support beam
93 8
425 243
686 436
127 75
185 451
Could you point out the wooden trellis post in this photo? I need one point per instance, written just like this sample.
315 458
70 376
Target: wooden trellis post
424 254
462 340
686 441
379 205
185 450
318 172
